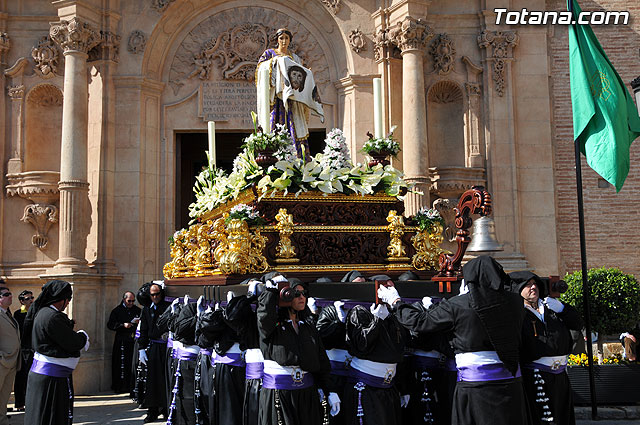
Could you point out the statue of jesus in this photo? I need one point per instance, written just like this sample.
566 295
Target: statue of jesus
292 91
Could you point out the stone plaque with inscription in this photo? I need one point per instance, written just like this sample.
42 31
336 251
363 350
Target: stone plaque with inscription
227 100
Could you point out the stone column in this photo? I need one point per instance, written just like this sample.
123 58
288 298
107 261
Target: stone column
76 38
411 36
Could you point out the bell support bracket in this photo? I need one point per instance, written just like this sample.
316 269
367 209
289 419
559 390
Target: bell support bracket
474 201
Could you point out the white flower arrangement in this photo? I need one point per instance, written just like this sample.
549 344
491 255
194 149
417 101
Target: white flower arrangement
245 212
336 153
426 218
381 145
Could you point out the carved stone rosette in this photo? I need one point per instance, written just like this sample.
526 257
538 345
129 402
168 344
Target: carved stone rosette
427 245
443 51
74 35
285 251
41 216
396 251
411 34
137 42
499 45
46 56
357 41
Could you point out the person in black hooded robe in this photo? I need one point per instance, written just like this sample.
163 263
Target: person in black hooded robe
152 351
295 362
486 324
57 346
124 321
376 342
546 342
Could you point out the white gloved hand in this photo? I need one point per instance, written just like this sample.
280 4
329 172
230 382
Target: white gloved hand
200 305
340 310
464 288
174 303
230 295
86 345
311 303
321 394
273 282
334 402
381 311
185 300
554 304
388 294
404 400
253 287
427 302
142 357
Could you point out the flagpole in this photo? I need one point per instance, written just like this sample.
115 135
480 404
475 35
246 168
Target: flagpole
585 284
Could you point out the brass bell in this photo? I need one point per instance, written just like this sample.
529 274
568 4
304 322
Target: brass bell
483 237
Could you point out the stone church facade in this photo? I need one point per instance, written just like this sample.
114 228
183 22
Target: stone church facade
103 98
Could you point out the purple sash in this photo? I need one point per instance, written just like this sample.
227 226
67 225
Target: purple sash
254 370
339 368
370 380
233 359
50 369
181 354
287 382
159 341
485 372
206 352
169 342
548 369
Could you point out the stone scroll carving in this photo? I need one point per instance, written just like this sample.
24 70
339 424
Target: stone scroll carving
333 5
46 56
227 46
411 34
74 35
383 46
357 41
137 42
499 45
443 51
41 216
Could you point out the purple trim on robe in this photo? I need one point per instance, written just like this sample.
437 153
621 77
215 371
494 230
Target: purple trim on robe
370 380
286 382
206 352
159 341
50 369
169 342
485 372
545 368
254 370
232 359
339 368
184 355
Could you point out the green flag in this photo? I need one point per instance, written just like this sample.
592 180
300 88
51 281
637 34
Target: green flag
605 118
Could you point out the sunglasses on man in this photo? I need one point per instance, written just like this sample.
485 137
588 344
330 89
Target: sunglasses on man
5 294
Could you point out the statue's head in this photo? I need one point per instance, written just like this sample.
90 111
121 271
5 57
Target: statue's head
284 31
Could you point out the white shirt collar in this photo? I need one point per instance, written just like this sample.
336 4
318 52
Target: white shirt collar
4 310
539 312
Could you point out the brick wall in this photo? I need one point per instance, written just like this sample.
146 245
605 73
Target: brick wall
611 219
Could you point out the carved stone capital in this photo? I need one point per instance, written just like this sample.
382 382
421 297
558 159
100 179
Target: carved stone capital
443 51
41 216
333 5
40 187
473 89
357 41
74 35
411 34
16 92
383 45
46 56
499 45
108 49
137 42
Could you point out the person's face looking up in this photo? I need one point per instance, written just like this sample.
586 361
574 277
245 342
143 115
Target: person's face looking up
530 292
155 293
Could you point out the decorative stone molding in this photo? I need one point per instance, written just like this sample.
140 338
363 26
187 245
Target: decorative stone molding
41 216
382 44
108 49
137 42
473 89
227 46
446 208
443 51
357 41
445 92
74 35
16 92
5 45
46 56
499 45
451 182
161 5
45 95
40 187
411 34
333 5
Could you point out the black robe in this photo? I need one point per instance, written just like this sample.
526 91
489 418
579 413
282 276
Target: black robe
184 328
155 389
20 383
122 352
383 341
500 402
49 400
549 338
208 326
280 342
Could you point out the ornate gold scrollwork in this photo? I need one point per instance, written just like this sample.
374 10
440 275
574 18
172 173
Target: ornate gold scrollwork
285 251
427 245
204 257
243 253
191 252
176 267
396 250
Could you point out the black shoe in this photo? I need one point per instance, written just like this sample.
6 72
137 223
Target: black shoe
150 418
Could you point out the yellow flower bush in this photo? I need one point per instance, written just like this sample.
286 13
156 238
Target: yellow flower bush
582 360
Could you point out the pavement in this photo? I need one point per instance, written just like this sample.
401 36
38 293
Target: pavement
118 409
